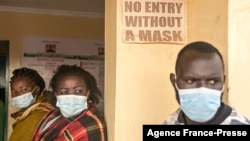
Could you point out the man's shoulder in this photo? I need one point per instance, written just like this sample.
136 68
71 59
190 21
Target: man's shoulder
236 118
172 119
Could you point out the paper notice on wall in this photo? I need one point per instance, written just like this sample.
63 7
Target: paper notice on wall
154 21
45 54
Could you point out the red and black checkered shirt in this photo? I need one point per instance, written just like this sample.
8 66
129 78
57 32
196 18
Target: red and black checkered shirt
88 126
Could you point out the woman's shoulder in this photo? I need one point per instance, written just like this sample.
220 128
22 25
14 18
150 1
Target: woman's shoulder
92 114
47 97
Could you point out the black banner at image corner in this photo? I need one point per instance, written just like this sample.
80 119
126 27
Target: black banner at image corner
162 132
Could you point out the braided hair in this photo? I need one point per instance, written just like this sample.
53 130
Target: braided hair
33 75
66 70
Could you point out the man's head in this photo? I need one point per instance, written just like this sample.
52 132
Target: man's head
198 64
199 81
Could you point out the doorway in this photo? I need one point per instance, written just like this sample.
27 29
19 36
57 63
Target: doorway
4 87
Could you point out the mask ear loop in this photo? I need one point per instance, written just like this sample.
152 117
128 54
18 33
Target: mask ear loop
175 83
88 101
223 88
88 93
33 89
33 92
42 92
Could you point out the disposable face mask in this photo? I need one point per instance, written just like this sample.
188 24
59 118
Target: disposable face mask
71 104
199 104
24 100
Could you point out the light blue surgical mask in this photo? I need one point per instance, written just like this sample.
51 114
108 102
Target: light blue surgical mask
24 100
71 104
199 104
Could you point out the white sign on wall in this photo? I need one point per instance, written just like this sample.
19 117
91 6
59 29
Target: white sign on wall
154 21
44 54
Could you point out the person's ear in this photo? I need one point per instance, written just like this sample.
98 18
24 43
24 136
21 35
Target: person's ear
172 79
38 89
173 82
224 78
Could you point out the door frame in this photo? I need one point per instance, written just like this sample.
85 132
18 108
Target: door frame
4 52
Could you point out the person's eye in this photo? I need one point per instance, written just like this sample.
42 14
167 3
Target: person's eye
13 92
212 82
78 92
24 90
63 92
190 81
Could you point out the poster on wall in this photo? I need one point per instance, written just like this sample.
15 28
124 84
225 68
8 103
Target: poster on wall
154 21
44 54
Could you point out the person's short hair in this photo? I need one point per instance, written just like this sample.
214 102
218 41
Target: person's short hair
200 46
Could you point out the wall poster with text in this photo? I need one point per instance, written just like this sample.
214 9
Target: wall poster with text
44 54
154 21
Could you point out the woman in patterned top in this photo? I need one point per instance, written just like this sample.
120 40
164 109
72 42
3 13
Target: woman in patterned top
77 118
27 94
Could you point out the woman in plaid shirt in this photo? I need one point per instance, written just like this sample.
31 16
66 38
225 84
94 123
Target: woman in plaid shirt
76 118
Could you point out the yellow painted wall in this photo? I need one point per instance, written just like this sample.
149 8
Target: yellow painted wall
137 87
208 20
137 75
239 55
16 25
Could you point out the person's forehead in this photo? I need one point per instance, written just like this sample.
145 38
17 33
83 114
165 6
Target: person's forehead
191 55
71 78
192 58
22 81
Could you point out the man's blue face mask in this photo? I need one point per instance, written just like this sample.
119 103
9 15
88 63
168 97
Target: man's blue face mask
199 104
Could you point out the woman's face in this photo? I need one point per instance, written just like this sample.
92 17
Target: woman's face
21 85
71 84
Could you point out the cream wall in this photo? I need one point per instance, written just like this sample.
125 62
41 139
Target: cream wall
137 87
136 78
206 23
238 55
137 75
16 25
